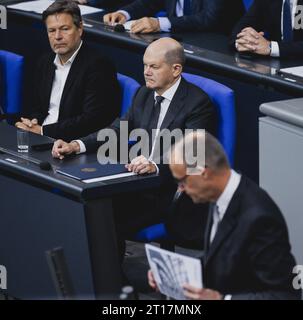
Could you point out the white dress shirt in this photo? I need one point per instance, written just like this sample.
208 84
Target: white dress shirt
164 22
61 74
168 96
222 204
275 51
223 201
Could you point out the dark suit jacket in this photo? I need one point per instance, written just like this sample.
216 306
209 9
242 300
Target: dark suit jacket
109 4
90 99
250 255
265 15
189 109
208 15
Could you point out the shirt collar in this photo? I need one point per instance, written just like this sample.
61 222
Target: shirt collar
57 61
226 196
170 92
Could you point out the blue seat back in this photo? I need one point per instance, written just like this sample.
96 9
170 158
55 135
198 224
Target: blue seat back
129 87
11 79
161 14
247 4
224 101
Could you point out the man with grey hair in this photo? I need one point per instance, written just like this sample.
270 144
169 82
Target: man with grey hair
167 101
246 245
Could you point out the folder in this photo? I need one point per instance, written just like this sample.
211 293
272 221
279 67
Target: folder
94 172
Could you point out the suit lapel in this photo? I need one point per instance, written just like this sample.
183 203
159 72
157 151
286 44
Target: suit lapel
276 13
171 7
147 111
226 226
72 76
208 229
176 105
50 75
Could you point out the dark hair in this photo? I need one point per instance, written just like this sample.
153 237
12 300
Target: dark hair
64 6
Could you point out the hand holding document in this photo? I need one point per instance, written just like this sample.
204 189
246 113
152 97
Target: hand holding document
171 271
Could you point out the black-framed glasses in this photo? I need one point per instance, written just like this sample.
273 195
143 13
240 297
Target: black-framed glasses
181 181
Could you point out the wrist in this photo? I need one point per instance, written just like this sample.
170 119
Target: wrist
75 146
269 48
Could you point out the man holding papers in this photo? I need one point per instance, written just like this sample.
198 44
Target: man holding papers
246 246
76 90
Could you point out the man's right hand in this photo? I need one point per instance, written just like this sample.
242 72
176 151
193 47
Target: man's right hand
151 280
62 148
113 18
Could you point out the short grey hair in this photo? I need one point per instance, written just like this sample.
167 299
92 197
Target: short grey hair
215 157
175 55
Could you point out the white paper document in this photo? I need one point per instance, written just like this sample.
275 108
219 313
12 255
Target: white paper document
128 24
172 270
115 176
295 71
39 6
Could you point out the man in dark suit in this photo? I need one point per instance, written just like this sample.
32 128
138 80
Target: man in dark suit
247 250
271 28
183 106
105 4
76 89
183 15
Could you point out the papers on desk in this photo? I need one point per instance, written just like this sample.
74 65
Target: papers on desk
128 24
171 271
294 71
39 6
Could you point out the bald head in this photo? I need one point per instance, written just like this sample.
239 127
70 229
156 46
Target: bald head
170 49
163 64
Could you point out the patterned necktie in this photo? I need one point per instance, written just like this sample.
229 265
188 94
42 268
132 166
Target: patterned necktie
187 7
287 24
216 221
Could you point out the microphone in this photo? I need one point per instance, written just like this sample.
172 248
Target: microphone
119 28
43 165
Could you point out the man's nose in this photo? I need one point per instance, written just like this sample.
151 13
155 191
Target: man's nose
58 34
147 71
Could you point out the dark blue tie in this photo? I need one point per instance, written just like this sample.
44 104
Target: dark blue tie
287 26
187 8
156 113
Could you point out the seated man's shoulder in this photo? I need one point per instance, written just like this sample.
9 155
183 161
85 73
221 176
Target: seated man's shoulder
194 91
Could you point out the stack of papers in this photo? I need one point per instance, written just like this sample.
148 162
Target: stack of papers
39 6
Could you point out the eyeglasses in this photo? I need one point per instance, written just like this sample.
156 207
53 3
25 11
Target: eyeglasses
181 182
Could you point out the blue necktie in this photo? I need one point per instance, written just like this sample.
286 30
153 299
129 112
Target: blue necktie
287 25
187 8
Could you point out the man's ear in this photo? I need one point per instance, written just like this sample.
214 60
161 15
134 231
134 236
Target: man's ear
81 28
177 69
